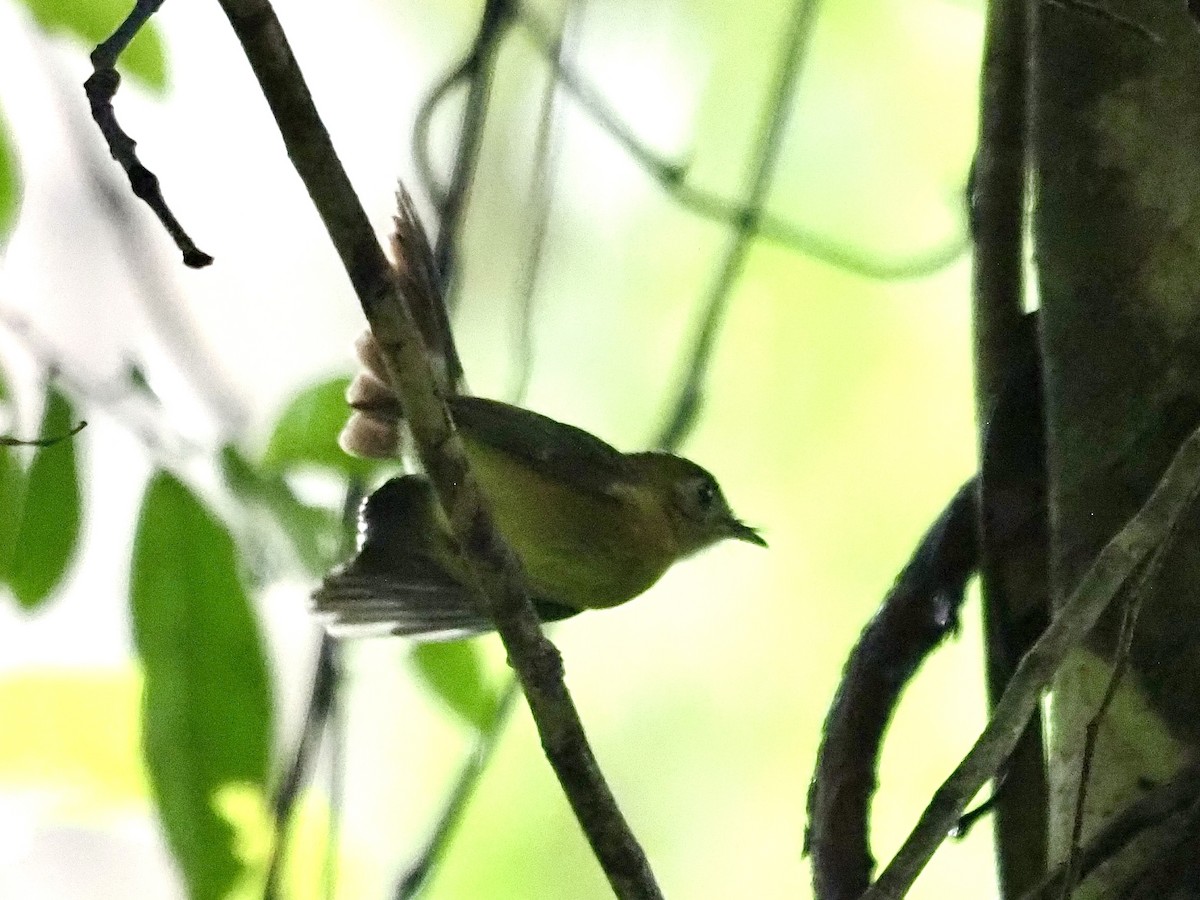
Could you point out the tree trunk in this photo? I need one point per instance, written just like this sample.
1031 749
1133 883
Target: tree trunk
1117 241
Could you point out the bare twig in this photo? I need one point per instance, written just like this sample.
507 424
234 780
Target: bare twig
6 441
101 88
918 612
794 51
672 178
1172 497
169 447
337 783
476 70
494 571
158 293
416 876
541 191
317 714
1145 587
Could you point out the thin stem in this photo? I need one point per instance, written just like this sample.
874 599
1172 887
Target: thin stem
1172 497
477 69
101 88
492 569
541 195
672 178
686 407
419 873
1146 585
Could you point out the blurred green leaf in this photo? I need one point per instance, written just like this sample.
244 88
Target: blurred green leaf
10 183
48 532
92 21
206 702
12 495
307 432
314 532
454 671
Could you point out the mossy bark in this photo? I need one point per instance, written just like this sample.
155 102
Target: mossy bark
1117 245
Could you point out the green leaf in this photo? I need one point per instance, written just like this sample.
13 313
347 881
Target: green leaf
93 21
206 701
306 434
10 183
454 671
12 496
49 522
314 532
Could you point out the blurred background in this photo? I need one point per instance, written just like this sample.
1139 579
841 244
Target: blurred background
836 412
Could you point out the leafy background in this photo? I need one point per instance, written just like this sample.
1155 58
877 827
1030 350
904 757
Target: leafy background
837 416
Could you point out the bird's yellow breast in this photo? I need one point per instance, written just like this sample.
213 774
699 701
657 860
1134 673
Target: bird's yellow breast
579 548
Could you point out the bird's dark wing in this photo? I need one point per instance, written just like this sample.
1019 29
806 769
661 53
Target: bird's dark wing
563 452
399 582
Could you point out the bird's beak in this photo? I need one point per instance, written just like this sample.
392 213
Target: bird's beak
743 532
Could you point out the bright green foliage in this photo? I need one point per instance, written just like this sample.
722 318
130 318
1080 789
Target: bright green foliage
454 671
92 21
306 434
12 495
10 184
48 530
207 701
315 533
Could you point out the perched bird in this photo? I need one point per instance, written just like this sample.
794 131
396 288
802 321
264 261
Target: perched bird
593 527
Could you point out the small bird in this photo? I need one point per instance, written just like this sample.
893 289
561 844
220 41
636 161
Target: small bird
593 527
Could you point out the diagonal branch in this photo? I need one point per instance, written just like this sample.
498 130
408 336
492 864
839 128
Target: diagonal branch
917 614
101 88
493 568
686 406
1172 497
672 178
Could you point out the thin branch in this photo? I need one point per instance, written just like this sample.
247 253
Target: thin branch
794 52
918 612
6 441
672 178
493 569
1147 583
1153 808
318 713
1141 535
417 876
169 447
316 716
421 143
337 782
541 194
477 70
158 293
101 88
544 39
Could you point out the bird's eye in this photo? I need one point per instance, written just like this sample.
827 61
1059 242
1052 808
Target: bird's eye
706 492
